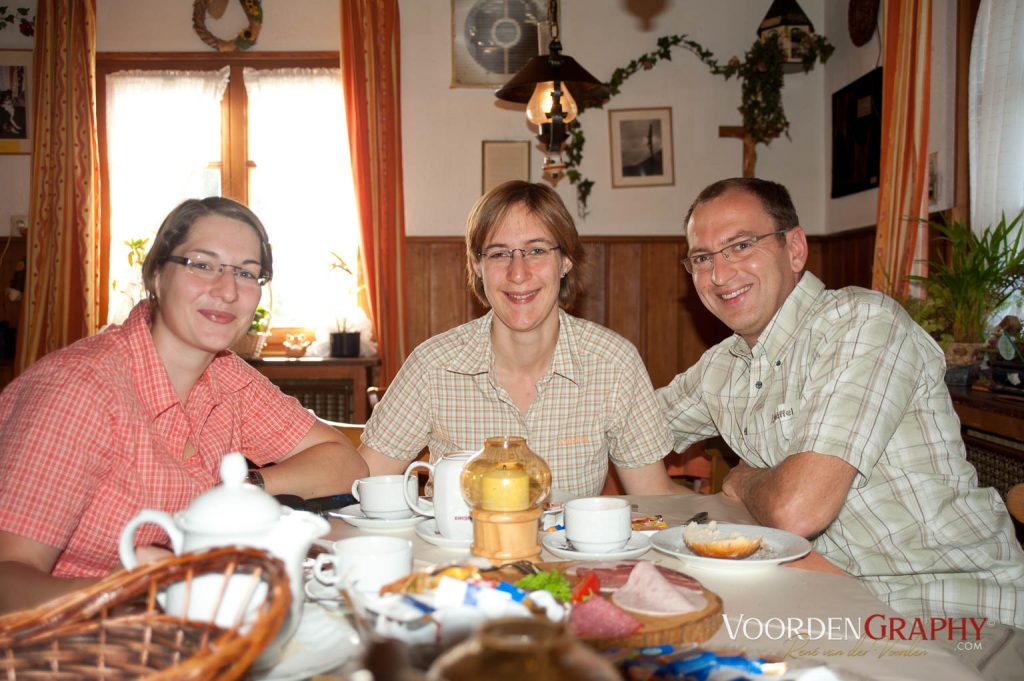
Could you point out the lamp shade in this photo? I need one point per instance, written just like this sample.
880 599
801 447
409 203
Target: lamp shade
787 20
586 89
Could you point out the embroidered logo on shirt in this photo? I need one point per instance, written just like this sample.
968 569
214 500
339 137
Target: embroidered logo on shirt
782 413
581 440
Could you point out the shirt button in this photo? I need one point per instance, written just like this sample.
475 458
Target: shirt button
778 362
758 385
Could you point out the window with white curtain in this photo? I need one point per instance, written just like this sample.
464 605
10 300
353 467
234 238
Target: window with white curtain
163 145
996 112
170 136
303 194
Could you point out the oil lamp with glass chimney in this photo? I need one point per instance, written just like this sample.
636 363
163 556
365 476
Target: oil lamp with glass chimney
504 487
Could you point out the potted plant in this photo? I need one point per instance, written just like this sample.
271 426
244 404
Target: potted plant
965 289
251 344
344 342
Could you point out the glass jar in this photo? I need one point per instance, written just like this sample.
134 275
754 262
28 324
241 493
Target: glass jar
521 649
507 476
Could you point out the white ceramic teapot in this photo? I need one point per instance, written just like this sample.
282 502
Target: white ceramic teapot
233 513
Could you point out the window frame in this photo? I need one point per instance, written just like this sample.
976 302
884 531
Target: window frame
234 139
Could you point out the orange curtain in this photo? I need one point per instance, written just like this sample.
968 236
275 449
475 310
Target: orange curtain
61 301
370 67
903 196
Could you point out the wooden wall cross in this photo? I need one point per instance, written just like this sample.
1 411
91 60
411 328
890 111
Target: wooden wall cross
749 152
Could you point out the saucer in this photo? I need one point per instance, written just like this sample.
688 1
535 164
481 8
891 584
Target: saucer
323 641
353 515
427 531
318 591
556 543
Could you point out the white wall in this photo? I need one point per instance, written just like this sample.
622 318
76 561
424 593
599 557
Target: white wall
849 63
442 128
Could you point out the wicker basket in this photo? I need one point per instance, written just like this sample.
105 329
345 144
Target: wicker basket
250 345
115 629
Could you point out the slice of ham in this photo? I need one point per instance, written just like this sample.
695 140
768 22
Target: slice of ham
647 591
614 575
596 617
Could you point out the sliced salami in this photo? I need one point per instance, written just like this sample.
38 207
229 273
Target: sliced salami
597 617
613 575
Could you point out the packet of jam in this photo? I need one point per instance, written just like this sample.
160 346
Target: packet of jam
648 522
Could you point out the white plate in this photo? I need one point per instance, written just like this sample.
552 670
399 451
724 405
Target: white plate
427 531
353 515
556 543
324 640
778 546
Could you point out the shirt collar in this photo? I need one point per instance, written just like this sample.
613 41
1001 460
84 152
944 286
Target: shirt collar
478 355
784 325
150 374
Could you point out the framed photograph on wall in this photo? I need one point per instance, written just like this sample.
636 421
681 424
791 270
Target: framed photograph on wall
857 135
641 144
504 161
15 101
493 39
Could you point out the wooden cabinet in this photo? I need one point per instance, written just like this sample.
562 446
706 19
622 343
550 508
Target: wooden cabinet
333 388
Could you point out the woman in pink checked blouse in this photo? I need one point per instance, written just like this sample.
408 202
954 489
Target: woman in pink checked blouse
141 414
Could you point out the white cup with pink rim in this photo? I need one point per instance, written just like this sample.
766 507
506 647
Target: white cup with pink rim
383 496
598 524
364 563
448 507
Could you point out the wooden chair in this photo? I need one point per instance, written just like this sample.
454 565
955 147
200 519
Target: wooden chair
1015 502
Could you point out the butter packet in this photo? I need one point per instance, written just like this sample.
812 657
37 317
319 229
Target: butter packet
643 523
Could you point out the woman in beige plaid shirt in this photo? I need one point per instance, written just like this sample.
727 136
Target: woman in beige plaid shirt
576 391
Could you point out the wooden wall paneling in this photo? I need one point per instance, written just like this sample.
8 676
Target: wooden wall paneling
662 287
843 259
625 304
592 302
447 285
418 303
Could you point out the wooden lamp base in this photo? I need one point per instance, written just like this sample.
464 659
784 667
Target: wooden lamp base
506 535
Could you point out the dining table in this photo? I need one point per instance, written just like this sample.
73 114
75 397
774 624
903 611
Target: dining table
806 611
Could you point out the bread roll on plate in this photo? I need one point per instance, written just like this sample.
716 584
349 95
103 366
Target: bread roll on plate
708 540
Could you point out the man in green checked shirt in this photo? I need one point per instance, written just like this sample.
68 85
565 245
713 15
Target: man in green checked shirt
836 405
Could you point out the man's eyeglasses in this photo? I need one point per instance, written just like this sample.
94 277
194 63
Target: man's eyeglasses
502 257
206 267
734 252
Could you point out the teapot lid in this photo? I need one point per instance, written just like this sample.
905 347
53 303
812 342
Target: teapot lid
234 505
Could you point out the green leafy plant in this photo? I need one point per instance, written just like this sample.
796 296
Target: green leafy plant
137 249
976 279
260 320
764 118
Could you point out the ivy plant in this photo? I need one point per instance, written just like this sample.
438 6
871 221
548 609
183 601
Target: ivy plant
764 118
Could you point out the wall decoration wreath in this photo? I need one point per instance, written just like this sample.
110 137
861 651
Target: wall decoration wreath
246 38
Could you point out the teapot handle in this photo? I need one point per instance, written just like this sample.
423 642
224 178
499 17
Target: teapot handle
126 548
421 506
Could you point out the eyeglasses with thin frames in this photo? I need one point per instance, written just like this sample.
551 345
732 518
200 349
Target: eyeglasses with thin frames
734 252
206 267
502 257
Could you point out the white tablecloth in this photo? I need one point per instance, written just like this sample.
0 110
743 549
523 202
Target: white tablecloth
760 603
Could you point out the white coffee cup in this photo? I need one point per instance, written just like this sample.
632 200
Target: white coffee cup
449 508
383 496
366 563
597 524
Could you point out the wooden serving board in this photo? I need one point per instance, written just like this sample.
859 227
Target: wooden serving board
694 627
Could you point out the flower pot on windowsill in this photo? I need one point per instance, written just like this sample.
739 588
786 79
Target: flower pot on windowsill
345 344
963 361
250 345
